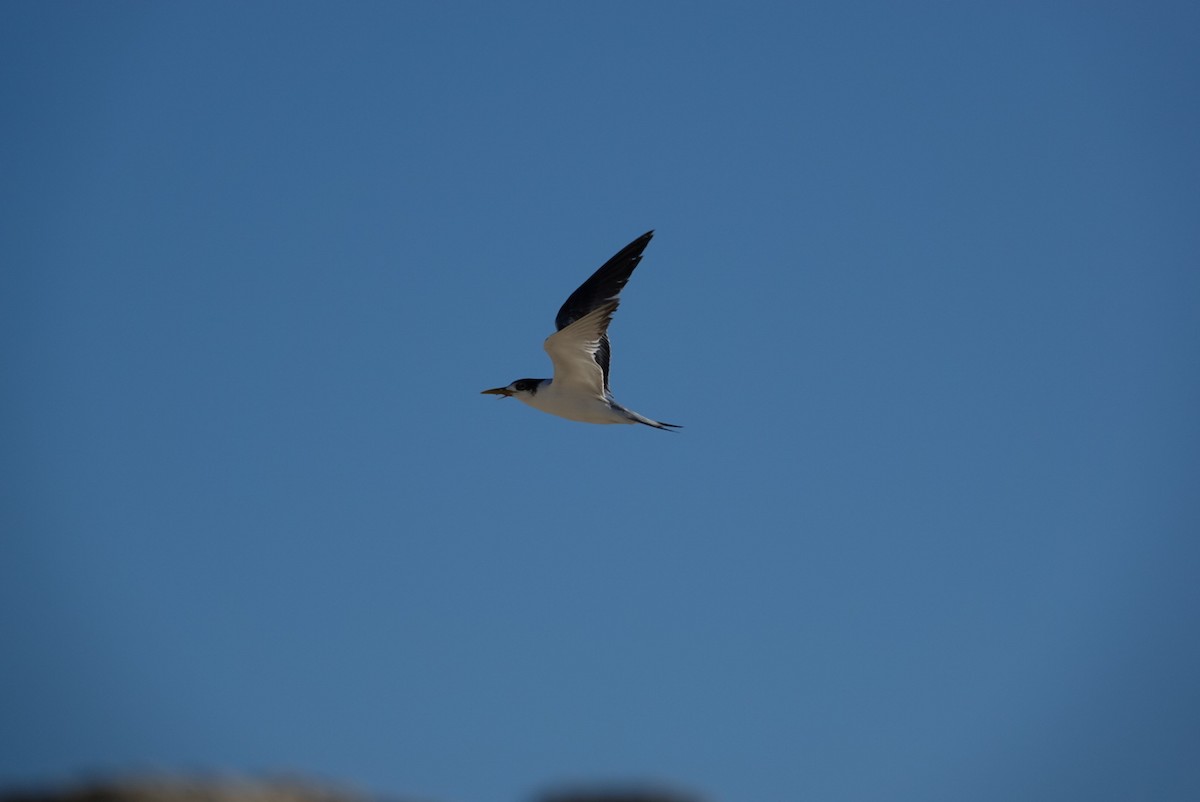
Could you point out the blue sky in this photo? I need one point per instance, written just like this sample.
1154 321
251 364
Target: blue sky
923 292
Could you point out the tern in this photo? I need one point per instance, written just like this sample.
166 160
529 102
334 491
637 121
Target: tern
580 351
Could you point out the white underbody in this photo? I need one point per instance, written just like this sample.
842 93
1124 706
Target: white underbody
572 404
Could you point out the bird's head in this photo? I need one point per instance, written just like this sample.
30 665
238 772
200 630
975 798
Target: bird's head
526 387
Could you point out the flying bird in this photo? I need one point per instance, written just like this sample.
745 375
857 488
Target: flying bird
580 352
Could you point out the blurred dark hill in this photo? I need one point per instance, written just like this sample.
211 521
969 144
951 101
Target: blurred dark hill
174 789
177 789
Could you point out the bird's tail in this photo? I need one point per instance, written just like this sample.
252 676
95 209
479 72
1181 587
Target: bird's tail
657 424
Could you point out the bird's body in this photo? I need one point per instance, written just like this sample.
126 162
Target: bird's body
580 350
550 397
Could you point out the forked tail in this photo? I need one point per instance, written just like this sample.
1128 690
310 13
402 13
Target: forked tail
636 418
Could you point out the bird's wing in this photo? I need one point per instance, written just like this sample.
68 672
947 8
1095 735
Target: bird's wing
574 350
603 285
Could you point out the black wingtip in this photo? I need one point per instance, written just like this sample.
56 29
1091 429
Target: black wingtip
605 284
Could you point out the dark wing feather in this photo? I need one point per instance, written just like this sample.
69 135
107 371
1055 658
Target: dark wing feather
604 285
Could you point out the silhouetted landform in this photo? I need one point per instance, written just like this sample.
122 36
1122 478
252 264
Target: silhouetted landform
175 789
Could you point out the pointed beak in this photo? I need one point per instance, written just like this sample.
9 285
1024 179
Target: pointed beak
500 391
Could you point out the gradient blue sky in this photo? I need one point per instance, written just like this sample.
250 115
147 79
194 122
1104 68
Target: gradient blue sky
924 294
